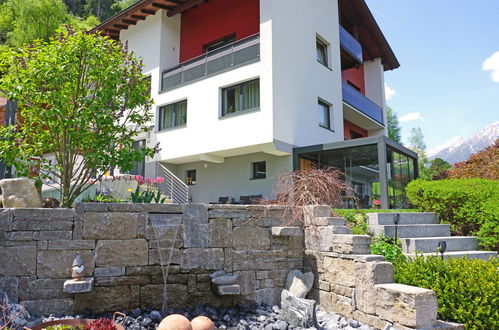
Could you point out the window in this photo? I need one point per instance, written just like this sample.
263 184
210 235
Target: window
321 52
173 115
258 170
324 115
220 43
241 97
190 177
139 167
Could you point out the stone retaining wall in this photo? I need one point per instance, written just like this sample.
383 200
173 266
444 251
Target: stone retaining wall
118 245
122 246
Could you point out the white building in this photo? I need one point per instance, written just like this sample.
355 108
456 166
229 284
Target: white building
243 88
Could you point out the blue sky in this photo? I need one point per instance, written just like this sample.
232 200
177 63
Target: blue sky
442 46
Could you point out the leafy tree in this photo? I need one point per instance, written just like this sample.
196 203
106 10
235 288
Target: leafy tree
484 165
123 4
393 125
102 9
417 144
22 22
82 100
76 7
439 168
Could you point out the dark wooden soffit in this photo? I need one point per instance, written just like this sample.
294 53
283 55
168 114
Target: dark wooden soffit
356 17
140 11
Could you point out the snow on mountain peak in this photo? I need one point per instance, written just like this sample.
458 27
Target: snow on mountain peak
458 149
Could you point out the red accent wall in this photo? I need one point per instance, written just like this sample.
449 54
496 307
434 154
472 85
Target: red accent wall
349 126
214 20
355 76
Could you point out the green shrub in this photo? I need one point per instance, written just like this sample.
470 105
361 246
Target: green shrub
469 205
467 289
386 247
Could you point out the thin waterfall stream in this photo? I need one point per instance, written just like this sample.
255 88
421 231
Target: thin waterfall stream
160 228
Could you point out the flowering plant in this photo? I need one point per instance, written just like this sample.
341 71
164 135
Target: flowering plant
376 204
152 193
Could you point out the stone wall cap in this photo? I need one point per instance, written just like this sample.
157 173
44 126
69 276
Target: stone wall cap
402 288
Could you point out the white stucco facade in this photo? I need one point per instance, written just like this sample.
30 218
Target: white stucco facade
222 148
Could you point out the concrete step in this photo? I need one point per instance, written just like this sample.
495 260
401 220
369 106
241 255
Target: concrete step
330 221
485 255
409 231
407 218
429 244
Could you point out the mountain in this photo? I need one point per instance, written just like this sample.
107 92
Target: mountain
458 149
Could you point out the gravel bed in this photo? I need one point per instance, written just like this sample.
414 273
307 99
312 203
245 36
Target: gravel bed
255 317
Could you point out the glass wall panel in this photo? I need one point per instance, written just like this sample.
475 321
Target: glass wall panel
361 169
400 173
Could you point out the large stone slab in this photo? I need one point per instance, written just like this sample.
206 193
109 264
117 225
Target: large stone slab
368 275
20 193
195 222
17 261
46 289
59 307
119 253
340 271
165 229
103 299
298 283
5 219
220 233
407 305
57 264
298 312
9 285
251 238
310 213
151 295
206 259
105 225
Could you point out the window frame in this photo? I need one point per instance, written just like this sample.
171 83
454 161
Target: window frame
219 43
326 107
188 180
257 175
160 115
138 144
223 110
320 42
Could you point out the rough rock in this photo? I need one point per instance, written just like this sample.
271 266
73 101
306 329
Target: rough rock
20 193
119 253
297 311
298 283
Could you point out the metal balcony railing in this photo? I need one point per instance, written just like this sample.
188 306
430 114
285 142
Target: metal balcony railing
233 55
172 186
350 45
356 100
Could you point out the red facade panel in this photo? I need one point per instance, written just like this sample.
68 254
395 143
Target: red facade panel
350 129
355 77
215 20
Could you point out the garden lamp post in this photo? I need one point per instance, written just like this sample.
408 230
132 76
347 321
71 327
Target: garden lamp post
441 247
396 220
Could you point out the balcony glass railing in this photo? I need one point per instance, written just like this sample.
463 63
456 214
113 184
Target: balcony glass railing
236 54
350 45
356 100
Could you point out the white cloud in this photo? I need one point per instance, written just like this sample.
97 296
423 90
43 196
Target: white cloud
412 116
492 64
389 92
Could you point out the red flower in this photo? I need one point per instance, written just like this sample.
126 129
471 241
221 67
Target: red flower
376 202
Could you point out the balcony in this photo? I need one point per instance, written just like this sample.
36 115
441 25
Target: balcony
231 56
359 102
351 47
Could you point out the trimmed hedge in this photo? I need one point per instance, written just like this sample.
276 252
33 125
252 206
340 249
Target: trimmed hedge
467 289
471 206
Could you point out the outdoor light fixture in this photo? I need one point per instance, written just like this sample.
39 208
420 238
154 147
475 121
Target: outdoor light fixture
441 247
396 220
